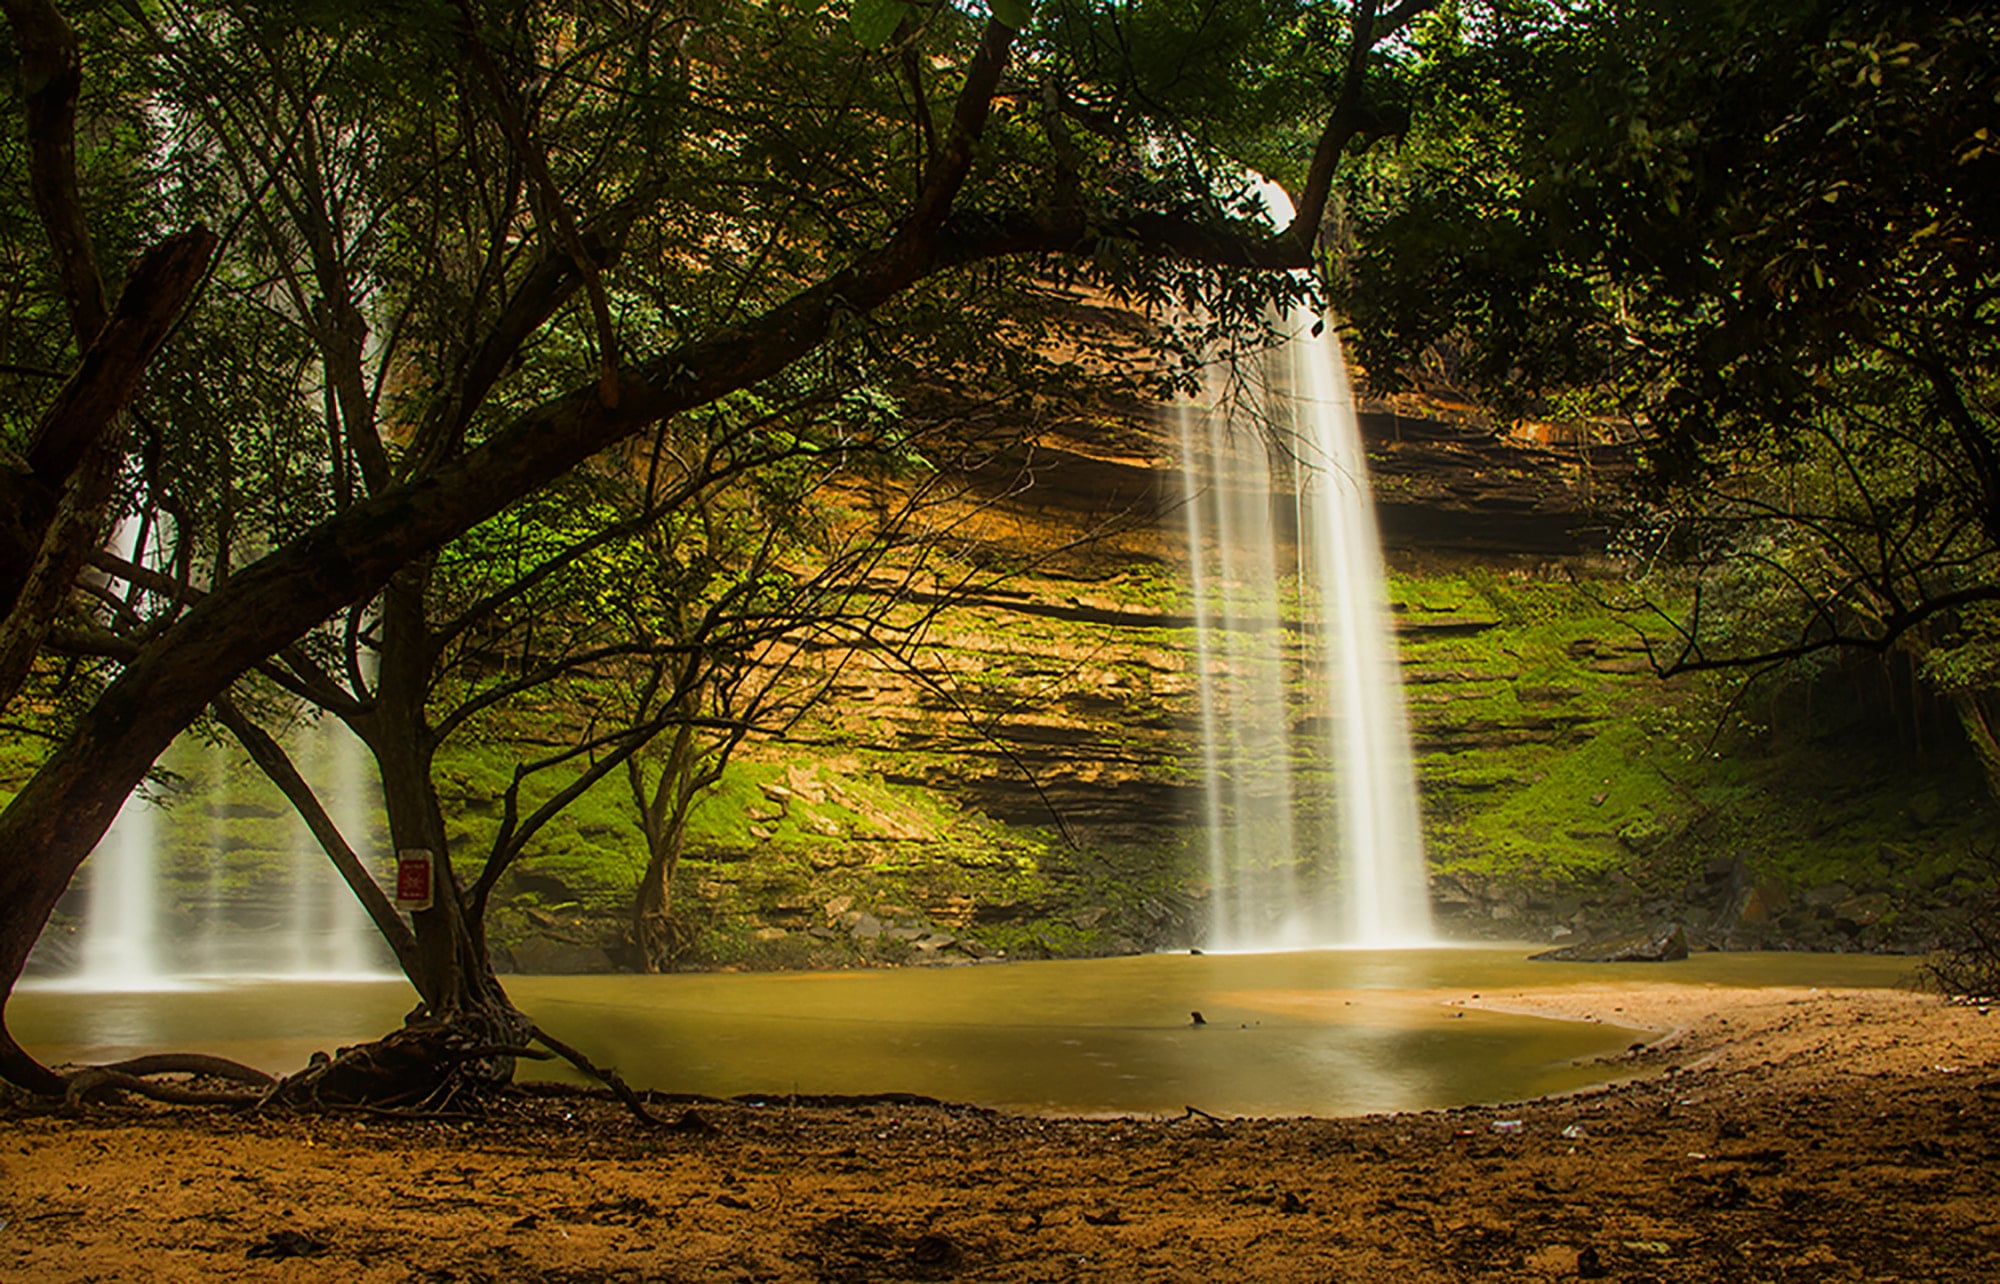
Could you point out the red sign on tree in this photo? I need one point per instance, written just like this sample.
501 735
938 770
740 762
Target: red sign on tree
413 880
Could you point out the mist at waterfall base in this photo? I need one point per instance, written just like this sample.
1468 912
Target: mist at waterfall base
157 916
1309 795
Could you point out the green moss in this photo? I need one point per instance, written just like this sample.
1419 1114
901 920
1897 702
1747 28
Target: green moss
1551 754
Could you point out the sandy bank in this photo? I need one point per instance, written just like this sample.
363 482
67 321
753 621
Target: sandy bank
1778 1134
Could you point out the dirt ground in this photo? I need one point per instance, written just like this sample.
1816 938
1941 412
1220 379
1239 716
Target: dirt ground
1772 1135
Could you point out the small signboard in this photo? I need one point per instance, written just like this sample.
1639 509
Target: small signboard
413 879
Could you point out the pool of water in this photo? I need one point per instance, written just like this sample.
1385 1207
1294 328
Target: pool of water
1322 1033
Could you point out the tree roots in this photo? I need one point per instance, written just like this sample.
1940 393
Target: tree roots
428 1068
96 1083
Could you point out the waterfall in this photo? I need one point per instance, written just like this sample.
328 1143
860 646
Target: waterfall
119 949
329 933
1386 899
238 907
283 913
1309 793
119 946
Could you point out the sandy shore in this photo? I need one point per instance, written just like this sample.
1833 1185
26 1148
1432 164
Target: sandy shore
1769 1135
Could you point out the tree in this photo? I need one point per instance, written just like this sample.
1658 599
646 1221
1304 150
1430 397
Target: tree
1761 235
739 168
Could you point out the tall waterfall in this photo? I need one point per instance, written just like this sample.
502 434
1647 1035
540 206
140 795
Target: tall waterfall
1310 796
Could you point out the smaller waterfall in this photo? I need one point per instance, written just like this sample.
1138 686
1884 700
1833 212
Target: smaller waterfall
1245 723
222 885
1310 799
119 949
329 933
120 943
150 922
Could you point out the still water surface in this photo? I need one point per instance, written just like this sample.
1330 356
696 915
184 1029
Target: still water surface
1324 1033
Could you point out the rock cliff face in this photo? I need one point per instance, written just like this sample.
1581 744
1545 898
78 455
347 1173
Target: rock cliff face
1022 780
1036 793
1044 762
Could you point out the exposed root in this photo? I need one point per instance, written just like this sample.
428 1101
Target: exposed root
101 1083
96 1083
603 1074
427 1069
199 1063
427 1066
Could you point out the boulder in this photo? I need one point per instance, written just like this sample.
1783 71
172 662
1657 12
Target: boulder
1661 945
1761 902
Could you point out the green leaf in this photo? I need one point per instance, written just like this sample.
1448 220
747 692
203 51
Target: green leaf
874 21
1013 13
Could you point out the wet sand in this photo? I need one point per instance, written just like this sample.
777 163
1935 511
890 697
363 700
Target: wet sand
1770 1134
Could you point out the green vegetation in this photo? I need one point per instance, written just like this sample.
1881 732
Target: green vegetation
1551 755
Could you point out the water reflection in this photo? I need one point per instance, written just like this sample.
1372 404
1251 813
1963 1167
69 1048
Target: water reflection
1332 1032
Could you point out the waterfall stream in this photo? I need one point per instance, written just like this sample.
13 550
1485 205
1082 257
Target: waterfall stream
1310 797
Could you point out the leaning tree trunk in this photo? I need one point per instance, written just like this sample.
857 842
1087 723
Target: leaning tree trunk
465 1031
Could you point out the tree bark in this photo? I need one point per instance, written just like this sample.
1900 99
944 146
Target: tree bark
653 932
51 76
73 459
663 817
451 971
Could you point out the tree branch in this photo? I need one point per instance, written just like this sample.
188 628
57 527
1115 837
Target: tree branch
51 76
1348 114
555 211
107 378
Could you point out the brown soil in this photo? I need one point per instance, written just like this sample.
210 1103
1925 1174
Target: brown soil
1775 1135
